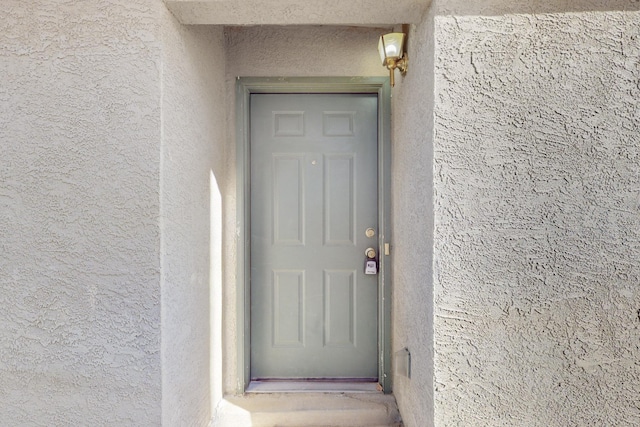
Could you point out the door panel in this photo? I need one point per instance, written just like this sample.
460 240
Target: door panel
313 194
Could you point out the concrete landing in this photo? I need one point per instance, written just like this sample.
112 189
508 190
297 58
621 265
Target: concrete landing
308 410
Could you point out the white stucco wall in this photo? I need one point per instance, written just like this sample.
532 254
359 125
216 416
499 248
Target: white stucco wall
193 167
79 205
412 213
273 52
537 202
304 51
111 131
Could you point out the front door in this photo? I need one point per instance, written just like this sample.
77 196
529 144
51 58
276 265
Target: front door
314 213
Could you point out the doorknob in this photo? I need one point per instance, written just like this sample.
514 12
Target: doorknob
370 253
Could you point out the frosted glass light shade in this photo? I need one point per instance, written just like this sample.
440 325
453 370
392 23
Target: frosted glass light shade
391 46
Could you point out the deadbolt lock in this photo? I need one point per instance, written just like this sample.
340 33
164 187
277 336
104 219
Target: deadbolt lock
370 253
370 232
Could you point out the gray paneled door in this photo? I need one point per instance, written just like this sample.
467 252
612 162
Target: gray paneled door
314 186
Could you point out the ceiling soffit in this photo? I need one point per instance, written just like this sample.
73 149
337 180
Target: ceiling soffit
298 12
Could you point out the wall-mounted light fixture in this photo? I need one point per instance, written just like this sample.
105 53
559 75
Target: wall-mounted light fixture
391 49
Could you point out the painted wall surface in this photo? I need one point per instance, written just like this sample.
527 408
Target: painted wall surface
412 213
537 225
272 52
79 206
193 129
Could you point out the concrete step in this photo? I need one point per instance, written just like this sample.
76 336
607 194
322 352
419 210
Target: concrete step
308 410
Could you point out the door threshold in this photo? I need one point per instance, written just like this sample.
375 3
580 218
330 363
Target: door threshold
327 386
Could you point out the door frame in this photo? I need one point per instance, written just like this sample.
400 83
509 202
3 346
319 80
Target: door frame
246 86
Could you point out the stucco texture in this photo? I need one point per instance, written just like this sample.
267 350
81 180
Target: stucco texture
111 130
79 240
192 159
305 51
412 245
537 225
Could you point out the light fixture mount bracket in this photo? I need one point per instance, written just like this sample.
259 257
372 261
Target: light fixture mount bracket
403 64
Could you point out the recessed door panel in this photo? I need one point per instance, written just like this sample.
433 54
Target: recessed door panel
288 308
314 163
339 199
288 199
340 308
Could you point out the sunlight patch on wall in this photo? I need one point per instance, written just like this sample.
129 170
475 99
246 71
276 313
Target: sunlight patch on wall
215 294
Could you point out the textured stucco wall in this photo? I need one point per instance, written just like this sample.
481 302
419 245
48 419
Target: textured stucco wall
273 52
537 225
502 7
193 129
79 237
412 207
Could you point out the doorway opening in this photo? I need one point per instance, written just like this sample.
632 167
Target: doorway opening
313 187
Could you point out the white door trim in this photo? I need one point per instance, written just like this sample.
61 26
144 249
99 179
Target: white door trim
244 88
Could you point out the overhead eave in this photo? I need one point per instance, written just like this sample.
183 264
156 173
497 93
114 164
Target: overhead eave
298 12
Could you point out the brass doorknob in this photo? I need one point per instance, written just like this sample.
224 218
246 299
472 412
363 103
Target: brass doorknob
370 253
